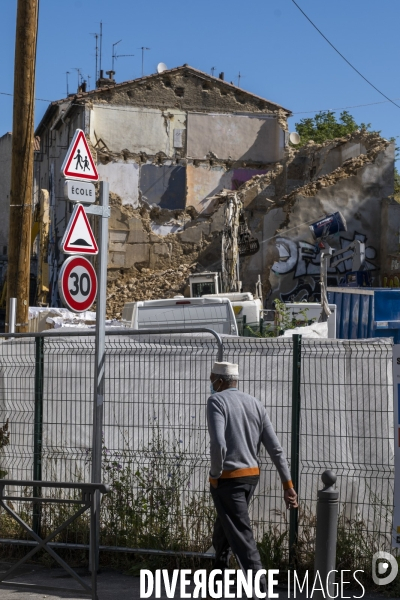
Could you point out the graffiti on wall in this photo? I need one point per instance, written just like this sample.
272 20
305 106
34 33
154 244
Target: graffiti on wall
299 263
393 279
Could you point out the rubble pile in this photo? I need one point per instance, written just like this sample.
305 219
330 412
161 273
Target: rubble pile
146 285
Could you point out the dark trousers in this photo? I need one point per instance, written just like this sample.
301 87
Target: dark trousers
232 528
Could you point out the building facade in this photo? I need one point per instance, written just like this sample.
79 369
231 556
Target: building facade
166 141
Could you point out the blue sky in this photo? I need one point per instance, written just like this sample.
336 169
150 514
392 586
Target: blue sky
279 54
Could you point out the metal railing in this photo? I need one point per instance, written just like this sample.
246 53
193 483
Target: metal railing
155 443
82 505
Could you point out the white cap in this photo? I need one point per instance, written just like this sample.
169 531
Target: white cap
225 368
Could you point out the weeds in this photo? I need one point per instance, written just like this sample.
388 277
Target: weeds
283 320
4 441
152 506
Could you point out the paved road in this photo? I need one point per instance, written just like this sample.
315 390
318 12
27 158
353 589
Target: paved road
111 585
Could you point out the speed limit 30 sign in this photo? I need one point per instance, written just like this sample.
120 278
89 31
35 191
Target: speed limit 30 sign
77 283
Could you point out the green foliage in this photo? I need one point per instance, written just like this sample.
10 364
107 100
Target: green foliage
272 549
151 504
396 194
283 321
4 435
324 126
4 441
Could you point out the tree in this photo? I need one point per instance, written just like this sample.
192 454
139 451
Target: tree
396 194
324 126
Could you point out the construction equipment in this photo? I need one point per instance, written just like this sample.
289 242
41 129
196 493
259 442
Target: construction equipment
355 251
237 241
204 284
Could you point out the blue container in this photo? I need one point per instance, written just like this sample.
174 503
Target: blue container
366 312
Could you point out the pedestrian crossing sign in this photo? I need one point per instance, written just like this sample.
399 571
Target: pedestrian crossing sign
78 162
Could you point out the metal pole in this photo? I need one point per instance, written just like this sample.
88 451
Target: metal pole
326 535
93 564
12 321
99 363
295 444
38 431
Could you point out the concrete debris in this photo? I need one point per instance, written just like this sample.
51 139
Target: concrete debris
146 285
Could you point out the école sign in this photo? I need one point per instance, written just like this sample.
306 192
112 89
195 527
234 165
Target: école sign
79 191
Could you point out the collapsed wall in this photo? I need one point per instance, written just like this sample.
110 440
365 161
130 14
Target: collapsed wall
153 250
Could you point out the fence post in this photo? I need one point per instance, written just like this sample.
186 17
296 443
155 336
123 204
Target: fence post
295 444
38 431
244 325
326 535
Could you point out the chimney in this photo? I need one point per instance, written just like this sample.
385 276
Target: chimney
105 81
83 87
222 76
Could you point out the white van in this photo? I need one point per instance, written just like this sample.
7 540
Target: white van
181 313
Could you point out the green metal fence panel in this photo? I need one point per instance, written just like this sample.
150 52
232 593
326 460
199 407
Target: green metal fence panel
155 440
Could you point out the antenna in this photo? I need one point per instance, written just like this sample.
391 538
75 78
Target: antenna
240 76
113 54
122 55
78 69
88 80
161 67
67 73
212 70
101 41
143 48
96 35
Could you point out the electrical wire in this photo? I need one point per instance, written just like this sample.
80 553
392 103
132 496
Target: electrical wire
344 58
39 99
307 112
302 112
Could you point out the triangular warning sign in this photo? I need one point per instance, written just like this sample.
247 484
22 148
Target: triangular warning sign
79 163
78 237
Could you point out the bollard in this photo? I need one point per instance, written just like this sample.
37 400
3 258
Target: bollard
326 535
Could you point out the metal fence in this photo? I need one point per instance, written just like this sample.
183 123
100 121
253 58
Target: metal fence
155 441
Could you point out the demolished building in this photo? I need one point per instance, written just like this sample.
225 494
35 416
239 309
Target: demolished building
174 146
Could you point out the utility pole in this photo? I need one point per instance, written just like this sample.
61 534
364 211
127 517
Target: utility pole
18 271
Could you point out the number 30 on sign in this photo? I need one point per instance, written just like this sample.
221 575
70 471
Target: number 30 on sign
77 284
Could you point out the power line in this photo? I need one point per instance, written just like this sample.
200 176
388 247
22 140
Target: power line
39 99
344 58
303 112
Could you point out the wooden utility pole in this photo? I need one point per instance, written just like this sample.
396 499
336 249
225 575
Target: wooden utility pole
21 197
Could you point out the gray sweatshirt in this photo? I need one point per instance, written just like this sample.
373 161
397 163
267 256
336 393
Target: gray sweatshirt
237 424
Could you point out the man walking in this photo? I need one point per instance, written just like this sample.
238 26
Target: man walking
238 423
